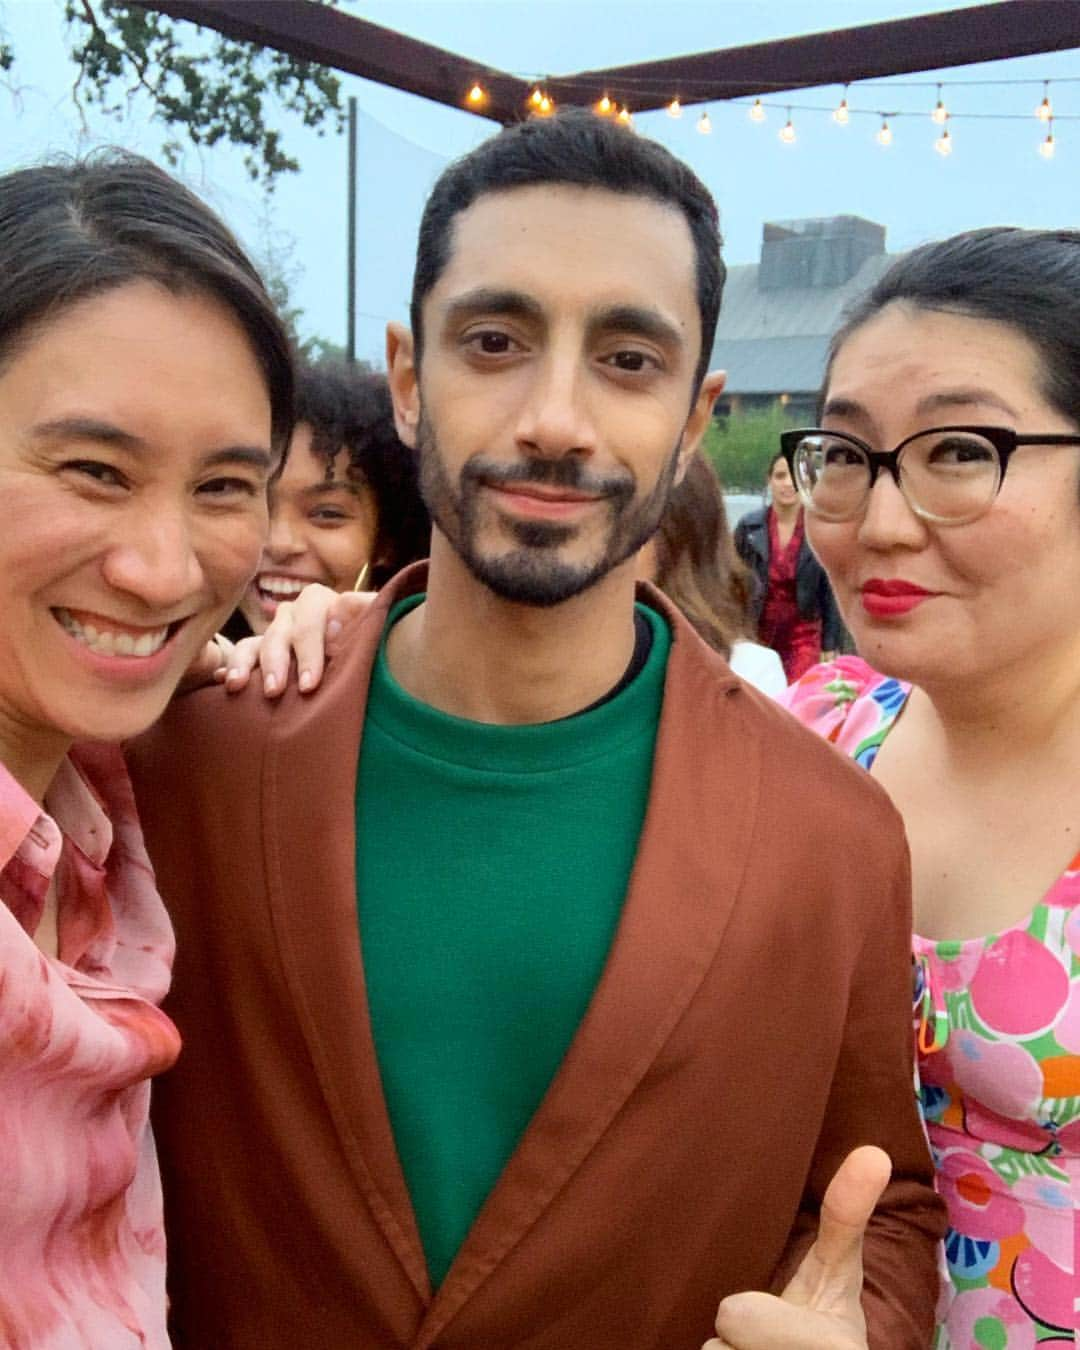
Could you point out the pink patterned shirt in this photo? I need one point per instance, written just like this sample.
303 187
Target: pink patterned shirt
82 1245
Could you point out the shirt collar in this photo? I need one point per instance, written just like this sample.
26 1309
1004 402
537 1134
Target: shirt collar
76 809
19 814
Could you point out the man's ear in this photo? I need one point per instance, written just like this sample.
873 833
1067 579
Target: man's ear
712 386
402 375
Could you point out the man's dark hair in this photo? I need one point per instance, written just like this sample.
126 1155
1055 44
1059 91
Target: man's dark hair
74 230
580 149
1028 279
351 411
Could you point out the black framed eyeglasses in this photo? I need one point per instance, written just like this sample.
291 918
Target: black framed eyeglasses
948 475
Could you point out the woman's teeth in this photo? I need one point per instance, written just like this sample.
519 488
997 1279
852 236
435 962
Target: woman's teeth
280 588
111 643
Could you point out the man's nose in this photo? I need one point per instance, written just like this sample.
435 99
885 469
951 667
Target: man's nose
555 419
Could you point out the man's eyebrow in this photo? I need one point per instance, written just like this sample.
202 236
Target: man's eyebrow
639 321
98 432
491 300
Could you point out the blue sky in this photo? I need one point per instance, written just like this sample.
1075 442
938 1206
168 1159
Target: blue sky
994 175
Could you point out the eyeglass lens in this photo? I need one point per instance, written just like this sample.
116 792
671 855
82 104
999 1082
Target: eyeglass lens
947 475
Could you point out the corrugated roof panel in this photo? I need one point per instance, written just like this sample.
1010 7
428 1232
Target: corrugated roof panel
775 341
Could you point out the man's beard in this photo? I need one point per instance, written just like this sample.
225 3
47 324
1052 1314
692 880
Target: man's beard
531 573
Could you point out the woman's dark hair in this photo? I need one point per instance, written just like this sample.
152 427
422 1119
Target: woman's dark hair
579 149
74 230
697 567
351 411
1028 279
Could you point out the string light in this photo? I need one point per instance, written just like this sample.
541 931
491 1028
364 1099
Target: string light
840 112
940 115
674 108
1046 148
757 112
537 97
605 107
943 144
884 135
476 96
704 124
1044 112
624 116
787 131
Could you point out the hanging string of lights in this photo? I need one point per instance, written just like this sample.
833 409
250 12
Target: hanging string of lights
541 103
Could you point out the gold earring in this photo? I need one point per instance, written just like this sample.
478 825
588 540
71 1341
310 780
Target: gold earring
361 577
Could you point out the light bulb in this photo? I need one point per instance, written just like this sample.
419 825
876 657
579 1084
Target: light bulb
604 106
624 116
674 108
1044 112
704 124
477 95
1046 148
884 135
545 106
536 97
757 112
787 132
840 113
943 144
940 115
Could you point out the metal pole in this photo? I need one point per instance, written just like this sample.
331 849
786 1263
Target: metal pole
350 322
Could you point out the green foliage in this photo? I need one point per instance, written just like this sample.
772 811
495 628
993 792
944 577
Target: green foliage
741 447
213 90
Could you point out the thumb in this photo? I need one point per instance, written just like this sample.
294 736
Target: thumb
849 1202
830 1275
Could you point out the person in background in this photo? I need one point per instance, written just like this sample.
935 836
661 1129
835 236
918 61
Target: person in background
346 510
942 491
145 397
792 605
692 559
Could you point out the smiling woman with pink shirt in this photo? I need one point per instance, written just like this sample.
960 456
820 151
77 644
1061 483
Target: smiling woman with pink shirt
942 494
145 395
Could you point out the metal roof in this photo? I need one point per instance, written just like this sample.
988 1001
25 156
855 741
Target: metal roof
774 341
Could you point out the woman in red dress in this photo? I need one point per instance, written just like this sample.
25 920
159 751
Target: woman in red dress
793 605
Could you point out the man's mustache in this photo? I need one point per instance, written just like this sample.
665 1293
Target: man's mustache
564 472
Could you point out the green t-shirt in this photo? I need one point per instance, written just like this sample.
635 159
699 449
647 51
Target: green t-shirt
492 865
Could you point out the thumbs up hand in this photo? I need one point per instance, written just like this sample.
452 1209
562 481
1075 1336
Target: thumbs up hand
821 1307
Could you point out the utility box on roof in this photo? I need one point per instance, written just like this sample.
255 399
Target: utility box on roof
819 253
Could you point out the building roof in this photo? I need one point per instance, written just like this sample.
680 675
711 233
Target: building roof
775 341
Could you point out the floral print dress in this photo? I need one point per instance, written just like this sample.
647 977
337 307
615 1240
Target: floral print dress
999 1063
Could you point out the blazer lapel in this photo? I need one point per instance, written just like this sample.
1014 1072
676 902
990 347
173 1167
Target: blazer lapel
308 795
682 890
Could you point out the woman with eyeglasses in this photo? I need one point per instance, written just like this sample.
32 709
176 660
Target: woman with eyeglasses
942 494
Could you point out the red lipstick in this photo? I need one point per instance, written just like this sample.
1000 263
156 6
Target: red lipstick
890 599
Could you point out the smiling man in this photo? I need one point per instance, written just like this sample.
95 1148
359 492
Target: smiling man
536 975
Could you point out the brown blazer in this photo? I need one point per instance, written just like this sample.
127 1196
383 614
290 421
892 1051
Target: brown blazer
752 1025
